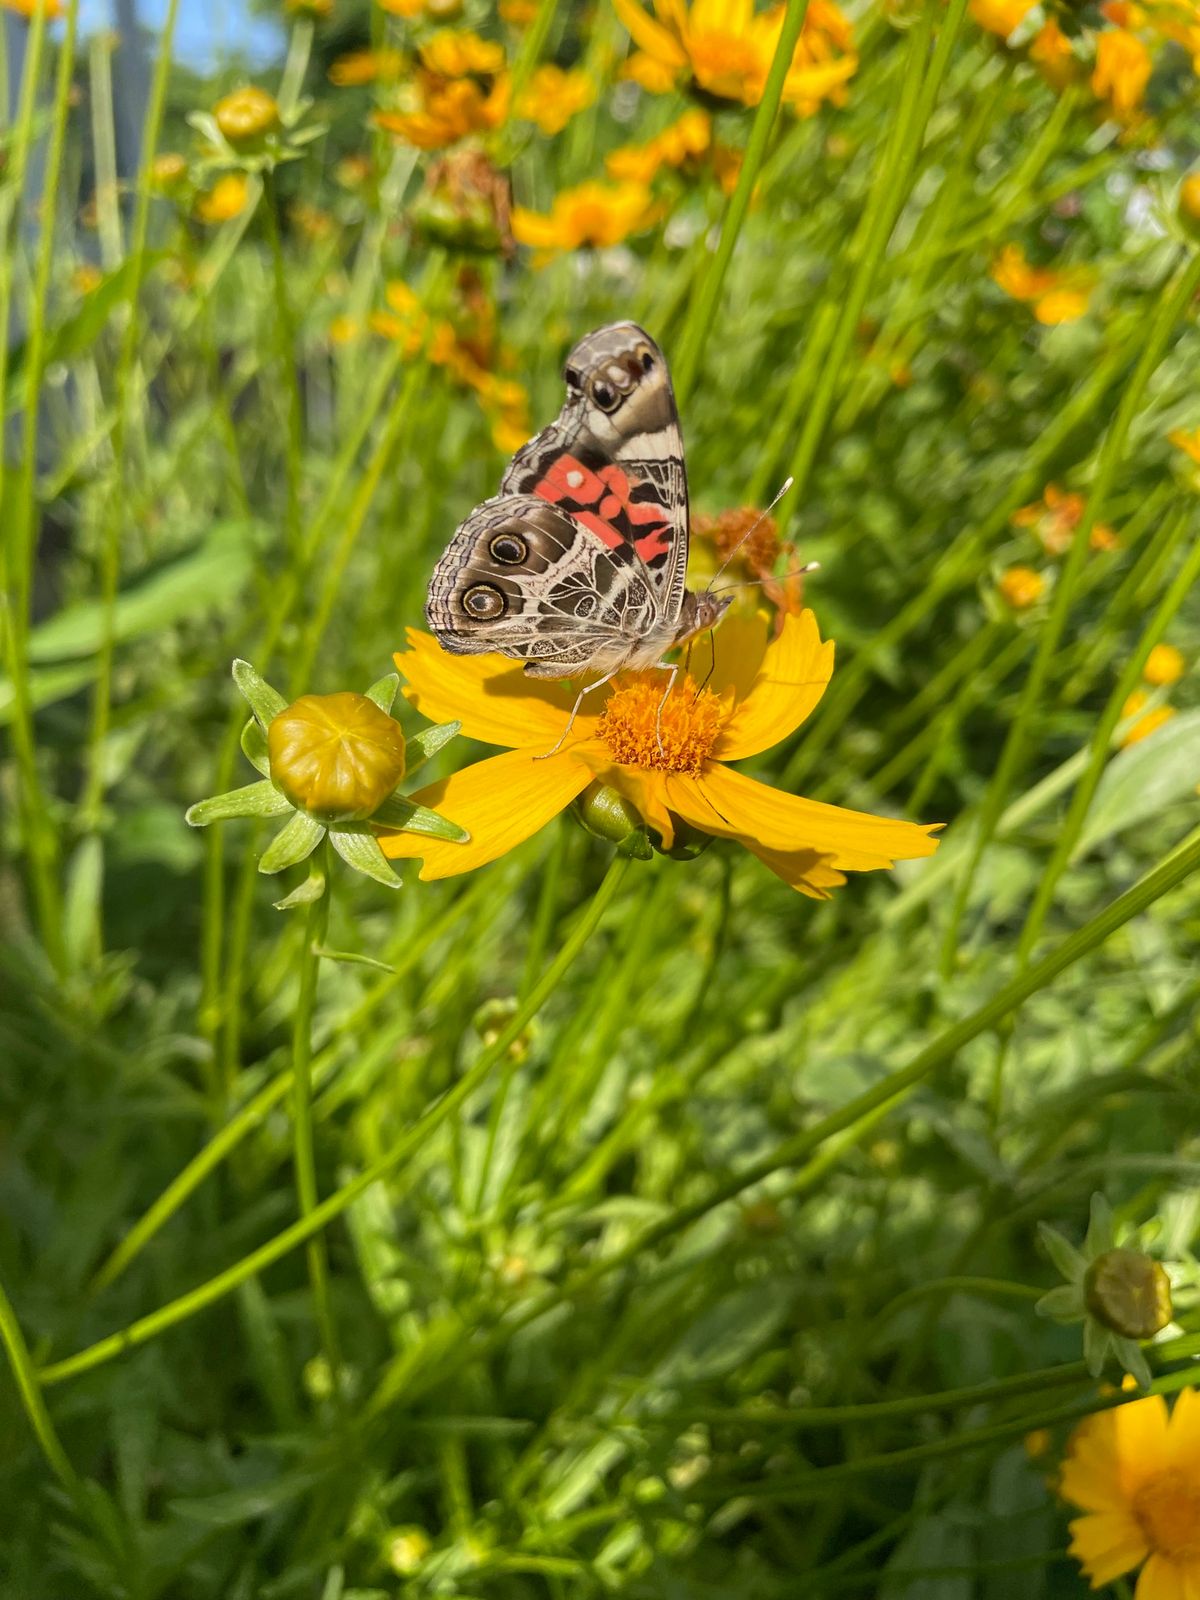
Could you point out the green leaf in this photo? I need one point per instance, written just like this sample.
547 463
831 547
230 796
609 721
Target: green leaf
423 746
1142 780
1096 1343
361 851
265 702
404 816
1063 1254
1129 1353
305 893
81 905
1064 1304
383 693
255 800
351 958
46 685
254 747
294 842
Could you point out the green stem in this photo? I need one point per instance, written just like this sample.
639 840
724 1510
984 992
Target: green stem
28 1387
704 306
285 336
1173 304
206 1294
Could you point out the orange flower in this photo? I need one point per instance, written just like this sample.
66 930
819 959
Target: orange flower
29 8
226 199
1144 726
1021 587
365 66
1056 296
1052 54
1122 70
1165 664
756 695
1056 516
1189 443
593 214
553 97
684 141
1000 16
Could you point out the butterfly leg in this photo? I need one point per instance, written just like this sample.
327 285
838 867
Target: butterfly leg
566 733
671 668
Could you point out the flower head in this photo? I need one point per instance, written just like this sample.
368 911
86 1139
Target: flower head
683 144
1135 1473
665 754
595 214
1056 296
1164 665
225 200
1189 198
1000 16
1055 517
329 762
359 67
1145 725
1122 70
168 172
247 115
553 96
30 8
1052 54
1021 587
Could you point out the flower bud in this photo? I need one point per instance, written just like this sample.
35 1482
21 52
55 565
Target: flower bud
169 171
246 115
336 756
405 1550
1021 587
607 814
1128 1293
1164 664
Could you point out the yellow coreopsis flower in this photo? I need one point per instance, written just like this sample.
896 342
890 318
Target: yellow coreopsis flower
686 140
1021 587
29 8
1122 71
595 214
1135 1473
756 695
226 199
361 67
725 48
1052 54
1189 443
1144 726
1000 16
1055 296
554 96
1165 664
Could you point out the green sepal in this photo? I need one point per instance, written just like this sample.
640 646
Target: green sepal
1101 1234
254 747
1096 1342
383 693
1063 1253
304 893
1064 1304
294 842
265 702
361 851
351 958
406 817
425 745
1129 1353
255 800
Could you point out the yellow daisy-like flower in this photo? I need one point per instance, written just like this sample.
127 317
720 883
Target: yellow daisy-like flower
685 140
1055 296
1189 443
1135 1473
594 214
29 8
554 96
1123 66
1164 665
1052 54
1144 726
725 48
225 200
1000 16
361 67
757 694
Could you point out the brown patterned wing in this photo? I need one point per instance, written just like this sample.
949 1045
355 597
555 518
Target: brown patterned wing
613 459
524 578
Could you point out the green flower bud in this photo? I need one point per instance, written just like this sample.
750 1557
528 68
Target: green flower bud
336 756
247 115
1128 1293
605 812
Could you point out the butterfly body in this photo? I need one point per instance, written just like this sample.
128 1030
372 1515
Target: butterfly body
579 564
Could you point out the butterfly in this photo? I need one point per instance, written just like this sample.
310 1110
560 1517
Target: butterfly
579 564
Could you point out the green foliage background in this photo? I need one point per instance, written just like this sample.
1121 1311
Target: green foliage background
717 1277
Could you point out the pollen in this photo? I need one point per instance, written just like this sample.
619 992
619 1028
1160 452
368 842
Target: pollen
1167 1509
677 738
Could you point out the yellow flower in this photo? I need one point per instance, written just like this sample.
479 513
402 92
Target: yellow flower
1021 587
594 214
1189 443
1122 70
1135 1473
168 171
452 53
1144 726
1052 54
402 8
247 114
757 694
1056 296
553 97
365 66
686 140
226 199
336 756
1056 516
725 48
1000 16
1189 198
1165 664
449 110
29 8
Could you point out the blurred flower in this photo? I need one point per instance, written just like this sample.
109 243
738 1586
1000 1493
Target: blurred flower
459 53
1000 16
226 199
757 694
1021 587
353 171
1056 296
86 277
406 1548
360 67
1055 517
1052 54
553 97
29 8
518 13
1189 198
246 115
1164 665
460 88
1189 443
402 8
593 214
1037 1443
725 49
1134 1471
328 763
1144 726
466 203
747 541
684 142
311 221
343 329
168 172
1122 70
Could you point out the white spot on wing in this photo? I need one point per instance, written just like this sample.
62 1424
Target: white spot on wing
574 479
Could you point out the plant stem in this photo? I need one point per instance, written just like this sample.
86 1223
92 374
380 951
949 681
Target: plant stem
285 337
28 1387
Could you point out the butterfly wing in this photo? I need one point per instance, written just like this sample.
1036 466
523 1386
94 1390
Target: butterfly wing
613 459
523 577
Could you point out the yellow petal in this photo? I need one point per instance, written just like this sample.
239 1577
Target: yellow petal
788 685
531 228
649 35
1141 1439
730 656
806 871
1107 1545
1162 1579
1183 1433
1090 1477
643 788
727 803
501 802
490 695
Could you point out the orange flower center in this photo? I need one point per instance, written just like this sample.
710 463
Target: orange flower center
679 738
1167 1508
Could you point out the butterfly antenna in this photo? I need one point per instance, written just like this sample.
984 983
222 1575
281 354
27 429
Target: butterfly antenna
757 583
749 534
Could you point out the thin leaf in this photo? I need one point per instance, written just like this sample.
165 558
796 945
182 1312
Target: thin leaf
361 851
1096 1342
1064 1304
383 693
352 958
255 800
265 702
403 816
1129 1353
294 842
1144 779
304 893
425 745
254 747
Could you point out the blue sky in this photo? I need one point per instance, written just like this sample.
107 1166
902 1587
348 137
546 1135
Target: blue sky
206 29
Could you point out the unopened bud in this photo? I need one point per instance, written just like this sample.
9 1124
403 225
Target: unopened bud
1128 1293
605 812
168 172
246 115
336 756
